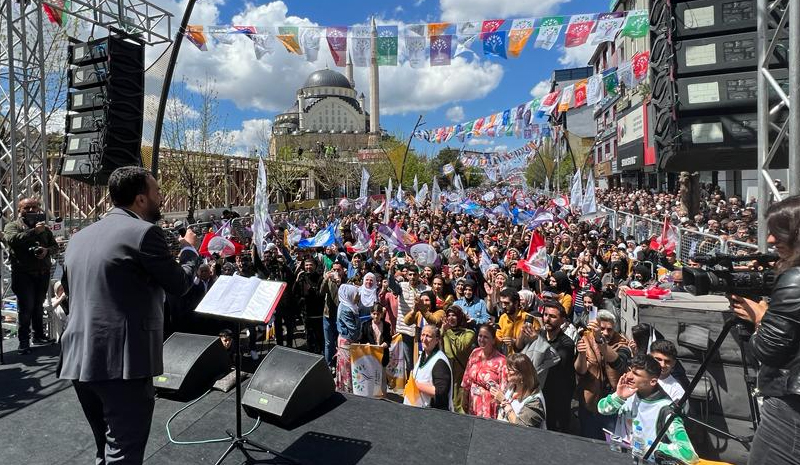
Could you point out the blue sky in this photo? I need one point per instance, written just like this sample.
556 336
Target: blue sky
252 92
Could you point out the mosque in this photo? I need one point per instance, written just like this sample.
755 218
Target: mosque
328 111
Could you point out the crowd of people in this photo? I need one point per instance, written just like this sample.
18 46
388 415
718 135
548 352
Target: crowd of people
498 315
478 335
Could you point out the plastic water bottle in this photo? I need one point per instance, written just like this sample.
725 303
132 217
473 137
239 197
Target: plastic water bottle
638 447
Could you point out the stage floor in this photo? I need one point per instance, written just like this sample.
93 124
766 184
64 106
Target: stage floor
42 423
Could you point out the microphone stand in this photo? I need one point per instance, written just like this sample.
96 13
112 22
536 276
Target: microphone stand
238 440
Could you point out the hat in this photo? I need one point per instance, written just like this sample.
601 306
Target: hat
270 247
178 224
622 246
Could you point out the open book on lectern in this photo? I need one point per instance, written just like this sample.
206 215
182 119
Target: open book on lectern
243 298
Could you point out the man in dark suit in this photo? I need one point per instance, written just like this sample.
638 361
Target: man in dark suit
116 273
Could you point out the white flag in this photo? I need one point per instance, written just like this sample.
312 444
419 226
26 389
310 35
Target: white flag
400 196
363 191
360 45
546 183
594 89
589 202
387 212
309 40
421 195
436 196
416 186
576 193
416 48
262 221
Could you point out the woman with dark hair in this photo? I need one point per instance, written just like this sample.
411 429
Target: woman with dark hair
558 284
423 314
458 341
486 369
443 298
377 331
523 402
776 341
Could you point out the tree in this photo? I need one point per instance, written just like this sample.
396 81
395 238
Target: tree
284 174
193 128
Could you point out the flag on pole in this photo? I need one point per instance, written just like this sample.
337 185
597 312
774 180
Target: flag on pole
416 185
589 205
421 195
323 238
262 221
668 239
436 196
536 263
576 194
364 189
387 213
57 13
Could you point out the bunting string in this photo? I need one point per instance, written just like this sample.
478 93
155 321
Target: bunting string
430 44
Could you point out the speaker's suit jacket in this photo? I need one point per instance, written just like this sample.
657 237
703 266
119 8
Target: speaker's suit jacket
116 273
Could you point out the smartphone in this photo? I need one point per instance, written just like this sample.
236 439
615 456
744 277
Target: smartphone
592 313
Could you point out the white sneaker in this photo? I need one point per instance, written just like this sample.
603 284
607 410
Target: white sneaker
254 355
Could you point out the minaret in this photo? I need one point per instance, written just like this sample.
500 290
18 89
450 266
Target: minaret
349 71
374 99
301 104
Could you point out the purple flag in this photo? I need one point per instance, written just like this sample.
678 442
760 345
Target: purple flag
441 47
337 42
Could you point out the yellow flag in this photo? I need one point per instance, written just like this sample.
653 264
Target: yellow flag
437 29
517 38
290 42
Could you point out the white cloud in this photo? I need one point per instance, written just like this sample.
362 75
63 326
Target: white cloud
270 84
254 133
500 148
474 141
462 10
455 114
398 9
56 121
541 88
577 56
418 2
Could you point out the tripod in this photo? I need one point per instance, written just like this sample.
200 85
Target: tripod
239 441
677 407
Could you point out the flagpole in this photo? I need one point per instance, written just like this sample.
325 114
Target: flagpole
408 145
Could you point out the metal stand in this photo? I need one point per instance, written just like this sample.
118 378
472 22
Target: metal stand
677 407
238 441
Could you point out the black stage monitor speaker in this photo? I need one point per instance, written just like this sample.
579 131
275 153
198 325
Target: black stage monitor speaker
288 384
192 362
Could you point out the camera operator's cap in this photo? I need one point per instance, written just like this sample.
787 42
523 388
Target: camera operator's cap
178 224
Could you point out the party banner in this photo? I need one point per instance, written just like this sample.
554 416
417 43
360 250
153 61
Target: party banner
608 25
594 89
288 36
367 370
490 25
640 61
578 30
221 34
637 24
494 44
337 43
360 45
566 98
437 29
611 82
580 93
416 50
466 35
309 38
625 75
521 31
549 103
549 30
441 47
195 35
396 369
387 45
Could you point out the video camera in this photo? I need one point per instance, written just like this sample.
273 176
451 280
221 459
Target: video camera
724 279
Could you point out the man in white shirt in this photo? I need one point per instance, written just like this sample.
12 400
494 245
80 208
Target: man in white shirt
666 355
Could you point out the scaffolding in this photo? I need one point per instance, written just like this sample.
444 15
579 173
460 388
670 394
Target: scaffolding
773 133
24 170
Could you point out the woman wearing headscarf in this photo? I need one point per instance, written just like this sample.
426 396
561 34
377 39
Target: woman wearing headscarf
616 276
349 325
458 341
368 294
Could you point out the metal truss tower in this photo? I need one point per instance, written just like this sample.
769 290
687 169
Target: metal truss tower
779 123
24 170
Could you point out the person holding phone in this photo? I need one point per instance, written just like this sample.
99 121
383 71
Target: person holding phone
31 249
486 369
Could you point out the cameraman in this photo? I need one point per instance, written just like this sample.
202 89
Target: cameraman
31 244
776 342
